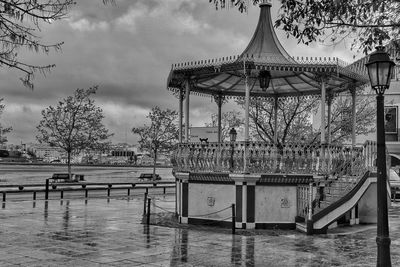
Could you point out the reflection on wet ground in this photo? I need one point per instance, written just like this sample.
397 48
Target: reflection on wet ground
109 233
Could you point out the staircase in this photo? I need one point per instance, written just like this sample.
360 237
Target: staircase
338 190
333 190
339 196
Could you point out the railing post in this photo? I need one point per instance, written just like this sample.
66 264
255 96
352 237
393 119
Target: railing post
323 159
309 216
233 219
4 196
148 210
61 194
46 195
310 193
86 193
34 195
129 192
231 167
329 167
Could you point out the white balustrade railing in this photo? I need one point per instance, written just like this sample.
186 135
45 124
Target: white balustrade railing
263 157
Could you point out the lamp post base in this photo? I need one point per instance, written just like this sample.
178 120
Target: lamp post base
383 243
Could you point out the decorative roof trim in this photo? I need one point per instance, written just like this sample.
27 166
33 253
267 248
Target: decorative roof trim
216 62
215 178
324 65
311 95
285 179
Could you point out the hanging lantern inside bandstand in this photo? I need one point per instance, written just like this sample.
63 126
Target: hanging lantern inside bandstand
232 135
264 77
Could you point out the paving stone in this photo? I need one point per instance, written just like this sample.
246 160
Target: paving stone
110 233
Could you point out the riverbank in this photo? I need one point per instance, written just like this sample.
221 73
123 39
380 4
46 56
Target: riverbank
37 173
80 164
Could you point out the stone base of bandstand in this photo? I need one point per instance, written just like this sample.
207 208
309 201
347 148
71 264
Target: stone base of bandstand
262 201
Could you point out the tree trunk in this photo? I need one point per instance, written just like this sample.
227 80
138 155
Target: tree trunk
154 164
69 164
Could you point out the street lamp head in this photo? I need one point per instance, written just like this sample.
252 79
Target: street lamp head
232 135
264 77
380 69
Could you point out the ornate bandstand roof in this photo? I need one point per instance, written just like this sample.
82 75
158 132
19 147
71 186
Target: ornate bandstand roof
290 76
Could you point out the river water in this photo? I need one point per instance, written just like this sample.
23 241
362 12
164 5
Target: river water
34 174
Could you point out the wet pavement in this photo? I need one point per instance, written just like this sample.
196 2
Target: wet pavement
108 232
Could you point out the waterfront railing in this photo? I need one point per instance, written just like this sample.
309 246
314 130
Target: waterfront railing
79 190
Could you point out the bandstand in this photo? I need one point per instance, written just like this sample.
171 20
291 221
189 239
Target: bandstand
303 186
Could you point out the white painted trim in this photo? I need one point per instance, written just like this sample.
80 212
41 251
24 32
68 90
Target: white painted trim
250 225
248 178
184 176
277 222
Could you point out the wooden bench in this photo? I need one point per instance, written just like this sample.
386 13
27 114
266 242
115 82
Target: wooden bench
64 177
149 176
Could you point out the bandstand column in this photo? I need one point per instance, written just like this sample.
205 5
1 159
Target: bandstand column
187 95
329 100
246 117
219 99
353 117
353 124
323 139
323 99
181 97
276 120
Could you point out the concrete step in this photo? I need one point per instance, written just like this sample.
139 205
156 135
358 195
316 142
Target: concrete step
333 197
347 179
333 190
302 227
325 203
341 183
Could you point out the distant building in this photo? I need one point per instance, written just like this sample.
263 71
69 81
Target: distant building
122 153
392 106
46 152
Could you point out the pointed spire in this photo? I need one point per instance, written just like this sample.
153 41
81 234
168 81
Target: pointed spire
265 43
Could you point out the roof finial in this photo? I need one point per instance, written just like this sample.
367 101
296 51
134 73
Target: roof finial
266 2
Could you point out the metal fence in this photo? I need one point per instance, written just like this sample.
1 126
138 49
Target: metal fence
82 190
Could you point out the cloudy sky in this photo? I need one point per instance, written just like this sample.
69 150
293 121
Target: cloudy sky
127 49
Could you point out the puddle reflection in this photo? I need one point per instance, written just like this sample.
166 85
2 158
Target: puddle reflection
66 217
46 210
249 252
242 250
180 248
236 251
147 235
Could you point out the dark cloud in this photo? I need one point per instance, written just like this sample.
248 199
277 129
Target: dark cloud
127 49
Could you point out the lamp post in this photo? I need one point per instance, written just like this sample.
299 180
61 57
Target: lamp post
380 71
232 137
